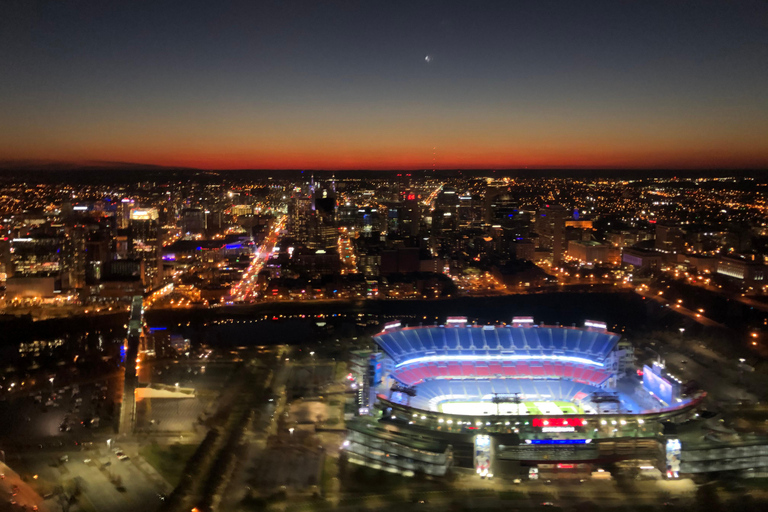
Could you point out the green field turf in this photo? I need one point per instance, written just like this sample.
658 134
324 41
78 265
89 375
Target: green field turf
527 407
566 407
570 408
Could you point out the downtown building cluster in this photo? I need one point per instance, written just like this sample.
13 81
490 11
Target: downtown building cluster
355 238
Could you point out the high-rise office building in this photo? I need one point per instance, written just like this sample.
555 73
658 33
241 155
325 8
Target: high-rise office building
193 221
550 226
73 257
321 226
123 213
146 244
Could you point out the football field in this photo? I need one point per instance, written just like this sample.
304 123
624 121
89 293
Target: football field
488 408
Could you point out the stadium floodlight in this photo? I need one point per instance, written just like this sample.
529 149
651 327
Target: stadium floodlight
596 325
472 358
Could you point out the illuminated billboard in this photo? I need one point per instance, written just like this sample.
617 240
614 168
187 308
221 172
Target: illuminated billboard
483 455
375 368
673 450
656 382
558 422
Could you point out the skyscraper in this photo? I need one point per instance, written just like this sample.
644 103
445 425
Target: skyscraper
146 244
123 213
193 221
550 226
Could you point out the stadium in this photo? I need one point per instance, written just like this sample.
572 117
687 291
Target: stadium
505 398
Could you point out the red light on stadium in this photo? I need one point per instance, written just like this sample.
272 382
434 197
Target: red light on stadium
639 373
558 422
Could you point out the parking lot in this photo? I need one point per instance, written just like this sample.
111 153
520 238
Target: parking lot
69 412
103 481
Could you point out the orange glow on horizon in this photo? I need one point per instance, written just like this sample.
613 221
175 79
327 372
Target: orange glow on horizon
398 151
406 160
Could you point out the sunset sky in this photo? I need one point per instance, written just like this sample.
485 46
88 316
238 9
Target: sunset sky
347 85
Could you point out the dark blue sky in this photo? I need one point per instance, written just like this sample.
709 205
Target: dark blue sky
346 84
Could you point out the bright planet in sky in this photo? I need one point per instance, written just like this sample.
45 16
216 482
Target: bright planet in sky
297 85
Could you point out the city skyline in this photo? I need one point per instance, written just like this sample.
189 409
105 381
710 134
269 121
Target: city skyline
289 255
386 86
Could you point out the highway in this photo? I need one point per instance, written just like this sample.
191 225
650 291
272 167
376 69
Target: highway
347 253
430 200
245 290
